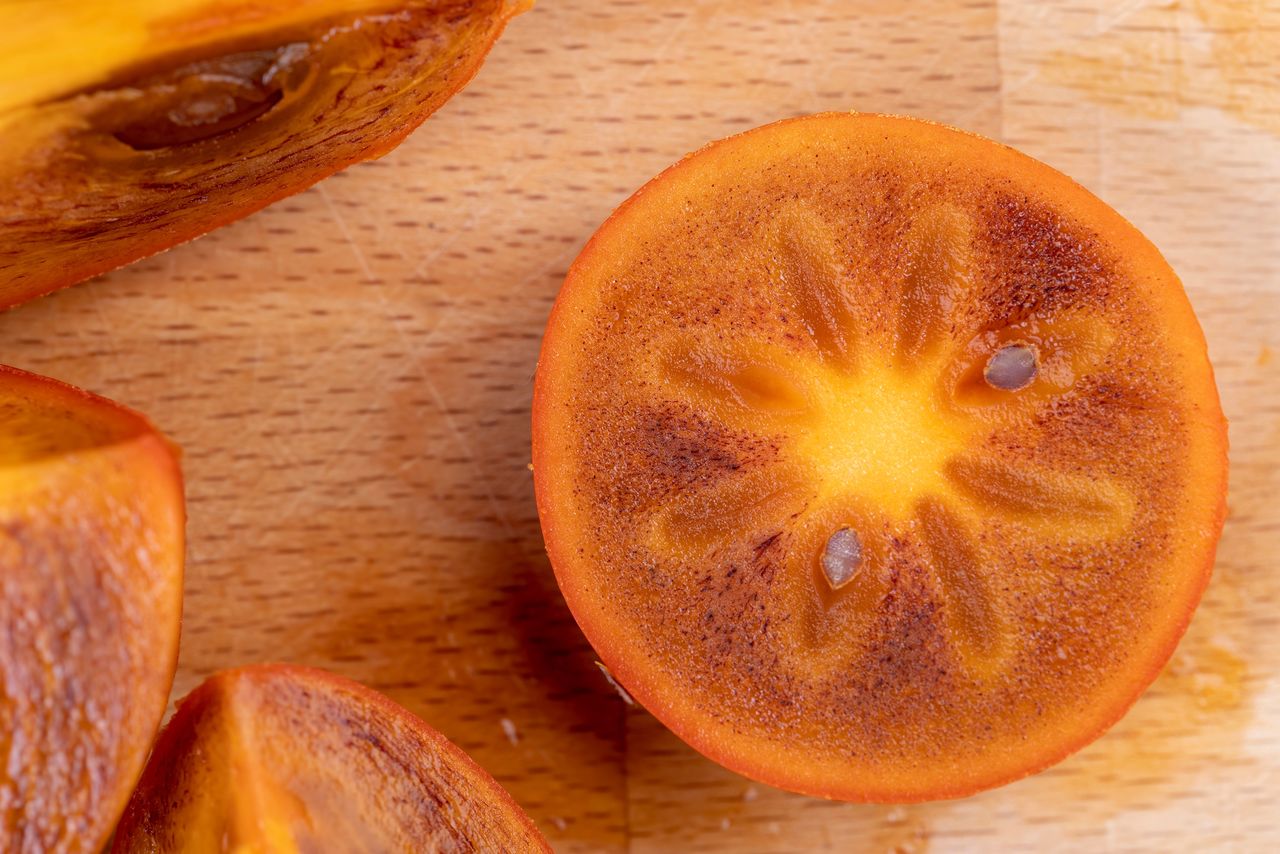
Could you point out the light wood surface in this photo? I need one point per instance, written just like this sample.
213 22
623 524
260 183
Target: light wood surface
349 373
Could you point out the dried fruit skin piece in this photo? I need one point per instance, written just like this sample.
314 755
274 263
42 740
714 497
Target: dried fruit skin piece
127 128
283 758
91 555
869 324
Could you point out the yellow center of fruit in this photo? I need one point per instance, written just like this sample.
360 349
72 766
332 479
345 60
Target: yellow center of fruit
878 432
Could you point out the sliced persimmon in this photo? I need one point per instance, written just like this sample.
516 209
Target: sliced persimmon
879 461
277 758
129 127
91 554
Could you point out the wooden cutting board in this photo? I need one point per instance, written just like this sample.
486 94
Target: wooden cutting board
350 371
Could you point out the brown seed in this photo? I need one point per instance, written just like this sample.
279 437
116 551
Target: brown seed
842 557
205 99
1012 367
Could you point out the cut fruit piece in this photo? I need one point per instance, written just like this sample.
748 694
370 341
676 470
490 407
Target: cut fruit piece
879 461
127 128
91 554
281 758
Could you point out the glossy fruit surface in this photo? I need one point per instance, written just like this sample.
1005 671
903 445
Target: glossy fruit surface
879 461
132 126
281 758
91 555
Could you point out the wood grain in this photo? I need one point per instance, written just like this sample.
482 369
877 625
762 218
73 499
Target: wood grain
349 373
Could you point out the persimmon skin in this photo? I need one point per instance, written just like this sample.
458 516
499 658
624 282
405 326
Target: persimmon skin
277 757
577 377
91 552
88 183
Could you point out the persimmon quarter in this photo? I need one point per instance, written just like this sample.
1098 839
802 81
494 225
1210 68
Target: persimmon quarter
283 758
878 460
91 554
129 127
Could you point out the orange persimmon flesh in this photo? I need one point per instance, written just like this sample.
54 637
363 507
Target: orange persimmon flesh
274 759
878 460
132 126
91 555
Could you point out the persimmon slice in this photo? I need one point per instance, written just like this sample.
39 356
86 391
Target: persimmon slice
281 758
129 127
879 461
91 554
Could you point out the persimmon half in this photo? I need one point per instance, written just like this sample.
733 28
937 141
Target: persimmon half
91 555
129 127
879 461
275 758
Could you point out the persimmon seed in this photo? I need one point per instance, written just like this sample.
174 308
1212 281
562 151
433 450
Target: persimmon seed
1012 367
842 557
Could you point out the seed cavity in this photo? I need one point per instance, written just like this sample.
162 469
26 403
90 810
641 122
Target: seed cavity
1012 367
842 557
204 99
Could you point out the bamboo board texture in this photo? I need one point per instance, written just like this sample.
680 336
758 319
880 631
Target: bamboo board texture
350 372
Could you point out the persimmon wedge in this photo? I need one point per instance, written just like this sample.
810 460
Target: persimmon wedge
278 758
91 555
879 461
129 127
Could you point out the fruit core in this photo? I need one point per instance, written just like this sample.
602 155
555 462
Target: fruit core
876 431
